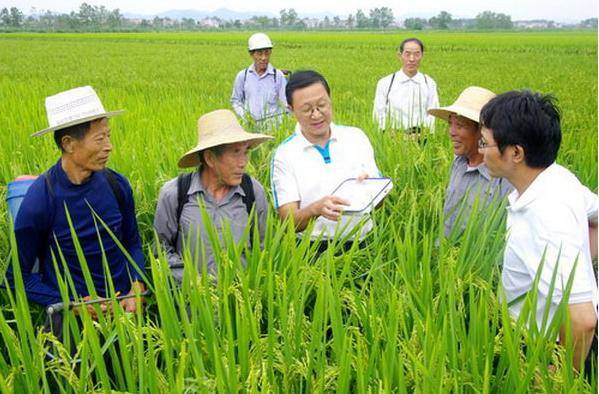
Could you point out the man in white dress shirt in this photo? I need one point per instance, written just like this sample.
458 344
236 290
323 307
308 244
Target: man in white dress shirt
403 98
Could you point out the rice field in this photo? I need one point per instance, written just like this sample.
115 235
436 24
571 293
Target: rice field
412 312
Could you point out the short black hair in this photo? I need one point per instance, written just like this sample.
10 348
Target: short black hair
528 119
77 132
411 39
302 79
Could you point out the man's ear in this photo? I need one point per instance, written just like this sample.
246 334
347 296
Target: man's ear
518 155
209 158
67 143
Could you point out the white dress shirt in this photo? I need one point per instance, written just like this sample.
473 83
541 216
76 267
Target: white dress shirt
406 102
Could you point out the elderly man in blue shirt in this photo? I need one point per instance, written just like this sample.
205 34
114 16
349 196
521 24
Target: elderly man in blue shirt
259 90
78 201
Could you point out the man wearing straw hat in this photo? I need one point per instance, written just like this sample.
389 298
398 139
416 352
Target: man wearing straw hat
469 180
259 90
219 185
78 206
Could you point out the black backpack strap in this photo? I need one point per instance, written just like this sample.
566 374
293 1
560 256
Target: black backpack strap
249 200
116 188
183 184
245 75
248 188
275 76
389 90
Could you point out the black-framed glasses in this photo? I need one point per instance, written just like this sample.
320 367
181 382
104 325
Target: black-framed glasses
482 144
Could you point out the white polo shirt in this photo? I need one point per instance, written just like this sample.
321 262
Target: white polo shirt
550 218
304 172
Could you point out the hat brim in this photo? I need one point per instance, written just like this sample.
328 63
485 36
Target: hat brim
78 121
445 112
192 159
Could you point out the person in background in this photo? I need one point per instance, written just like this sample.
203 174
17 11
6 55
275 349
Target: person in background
259 90
402 98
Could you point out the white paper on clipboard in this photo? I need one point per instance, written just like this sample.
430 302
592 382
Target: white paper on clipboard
364 195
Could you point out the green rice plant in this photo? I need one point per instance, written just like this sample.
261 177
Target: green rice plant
409 312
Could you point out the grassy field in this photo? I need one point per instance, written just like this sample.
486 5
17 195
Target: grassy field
409 313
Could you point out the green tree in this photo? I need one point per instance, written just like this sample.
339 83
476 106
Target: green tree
441 21
350 22
362 21
590 23
115 19
381 17
16 16
414 23
5 17
490 20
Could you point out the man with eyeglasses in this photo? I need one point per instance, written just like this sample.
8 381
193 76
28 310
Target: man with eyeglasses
402 98
551 222
315 159
259 90
470 184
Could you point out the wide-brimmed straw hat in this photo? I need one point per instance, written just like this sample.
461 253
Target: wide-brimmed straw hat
468 104
74 107
216 128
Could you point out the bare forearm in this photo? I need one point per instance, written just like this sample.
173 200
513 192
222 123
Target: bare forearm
301 217
593 238
583 321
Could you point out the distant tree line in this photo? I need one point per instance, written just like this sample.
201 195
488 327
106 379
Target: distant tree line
99 18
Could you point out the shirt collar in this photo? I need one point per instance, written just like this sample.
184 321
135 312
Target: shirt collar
196 186
402 77
535 189
481 168
307 144
269 69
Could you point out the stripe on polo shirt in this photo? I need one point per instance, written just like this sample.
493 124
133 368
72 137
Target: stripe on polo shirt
324 152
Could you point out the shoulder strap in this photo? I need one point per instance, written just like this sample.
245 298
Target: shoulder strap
116 188
425 80
389 90
245 75
249 199
248 188
183 184
275 75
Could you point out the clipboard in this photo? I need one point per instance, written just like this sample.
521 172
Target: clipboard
363 196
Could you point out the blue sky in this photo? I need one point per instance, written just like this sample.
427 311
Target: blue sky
558 10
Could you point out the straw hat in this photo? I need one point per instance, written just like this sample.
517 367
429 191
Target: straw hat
218 127
74 107
468 104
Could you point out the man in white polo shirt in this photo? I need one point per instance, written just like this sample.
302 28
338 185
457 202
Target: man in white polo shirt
552 217
315 159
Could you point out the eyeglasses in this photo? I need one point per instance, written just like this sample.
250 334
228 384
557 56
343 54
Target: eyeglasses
323 108
482 144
